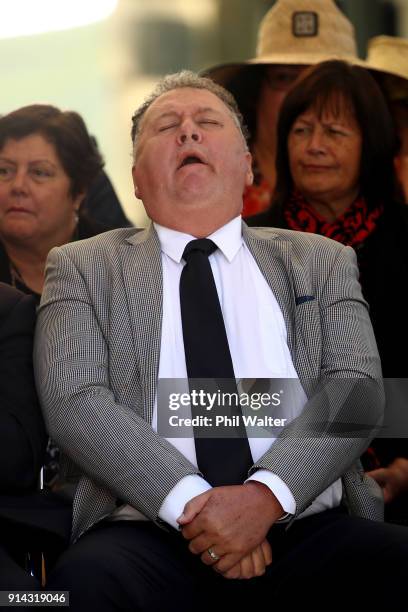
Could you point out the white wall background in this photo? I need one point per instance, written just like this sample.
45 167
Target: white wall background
98 70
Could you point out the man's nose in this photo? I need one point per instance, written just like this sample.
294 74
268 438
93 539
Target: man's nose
189 131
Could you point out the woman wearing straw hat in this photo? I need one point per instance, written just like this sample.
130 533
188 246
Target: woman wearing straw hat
388 57
292 35
335 177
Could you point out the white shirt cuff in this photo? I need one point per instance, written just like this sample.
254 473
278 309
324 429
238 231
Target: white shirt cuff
278 488
188 487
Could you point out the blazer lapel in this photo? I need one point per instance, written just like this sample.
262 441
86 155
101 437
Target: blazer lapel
143 285
273 257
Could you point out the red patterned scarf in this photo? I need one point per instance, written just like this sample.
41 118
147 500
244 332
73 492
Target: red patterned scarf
352 227
257 197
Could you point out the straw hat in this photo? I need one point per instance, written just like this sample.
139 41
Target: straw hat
298 32
388 55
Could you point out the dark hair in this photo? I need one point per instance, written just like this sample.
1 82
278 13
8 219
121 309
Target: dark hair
66 130
336 85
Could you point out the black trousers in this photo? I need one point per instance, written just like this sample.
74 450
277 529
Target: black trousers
322 561
13 575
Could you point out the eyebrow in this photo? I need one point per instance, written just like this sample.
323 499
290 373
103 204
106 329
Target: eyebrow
164 115
334 121
209 109
33 161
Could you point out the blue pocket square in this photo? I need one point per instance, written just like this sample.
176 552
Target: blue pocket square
304 298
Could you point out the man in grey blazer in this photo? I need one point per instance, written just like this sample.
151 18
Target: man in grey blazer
149 531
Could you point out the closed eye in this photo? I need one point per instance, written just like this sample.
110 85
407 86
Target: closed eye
168 126
336 131
300 130
209 122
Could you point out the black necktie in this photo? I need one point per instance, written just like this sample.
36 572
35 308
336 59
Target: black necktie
226 458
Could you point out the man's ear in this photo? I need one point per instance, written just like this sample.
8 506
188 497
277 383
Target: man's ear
136 188
249 176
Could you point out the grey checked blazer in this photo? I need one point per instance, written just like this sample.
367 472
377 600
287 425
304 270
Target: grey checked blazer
97 353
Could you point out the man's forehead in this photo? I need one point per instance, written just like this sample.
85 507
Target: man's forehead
186 98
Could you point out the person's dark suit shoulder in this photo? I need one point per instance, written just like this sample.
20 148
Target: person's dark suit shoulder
102 205
22 431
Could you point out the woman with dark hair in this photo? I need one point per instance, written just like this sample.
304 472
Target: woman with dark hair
338 91
48 161
335 177
292 35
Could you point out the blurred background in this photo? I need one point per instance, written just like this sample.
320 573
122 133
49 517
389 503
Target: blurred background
101 57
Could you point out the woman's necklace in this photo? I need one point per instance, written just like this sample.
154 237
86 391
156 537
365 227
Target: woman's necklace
15 276
18 282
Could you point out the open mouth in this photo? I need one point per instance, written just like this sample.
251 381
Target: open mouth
191 159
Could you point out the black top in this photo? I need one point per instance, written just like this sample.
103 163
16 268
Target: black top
102 205
22 431
29 519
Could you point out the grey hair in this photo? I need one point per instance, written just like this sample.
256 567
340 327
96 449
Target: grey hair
187 78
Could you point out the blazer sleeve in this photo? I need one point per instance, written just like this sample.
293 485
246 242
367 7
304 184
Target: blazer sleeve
109 441
22 430
345 404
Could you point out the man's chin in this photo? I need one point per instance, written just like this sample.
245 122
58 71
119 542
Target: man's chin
195 183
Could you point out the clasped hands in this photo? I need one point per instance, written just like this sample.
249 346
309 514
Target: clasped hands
233 522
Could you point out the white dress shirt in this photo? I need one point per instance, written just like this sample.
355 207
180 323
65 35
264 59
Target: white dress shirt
257 339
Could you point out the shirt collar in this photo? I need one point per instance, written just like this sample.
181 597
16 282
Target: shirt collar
228 239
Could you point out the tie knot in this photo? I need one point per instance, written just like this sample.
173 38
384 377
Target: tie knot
204 245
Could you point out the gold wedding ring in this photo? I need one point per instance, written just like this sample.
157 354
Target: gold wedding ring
212 554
